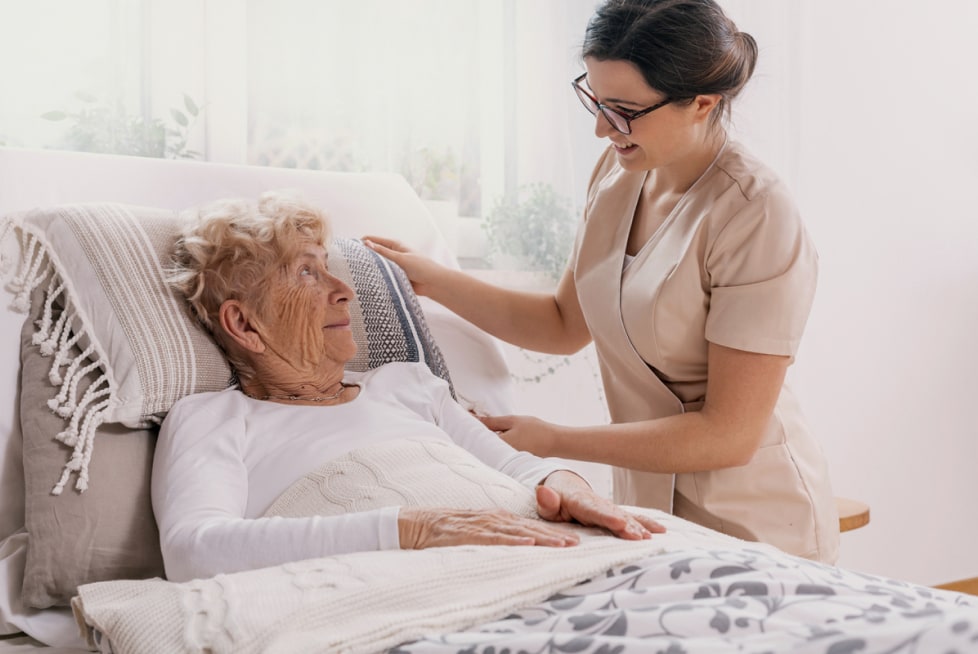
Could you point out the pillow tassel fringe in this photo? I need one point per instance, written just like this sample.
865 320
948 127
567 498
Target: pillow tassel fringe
29 277
84 443
64 402
70 435
57 338
43 333
64 338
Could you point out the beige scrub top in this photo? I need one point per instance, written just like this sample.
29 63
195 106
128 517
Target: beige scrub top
733 265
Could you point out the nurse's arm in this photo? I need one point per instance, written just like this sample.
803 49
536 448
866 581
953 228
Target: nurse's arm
742 390
543 322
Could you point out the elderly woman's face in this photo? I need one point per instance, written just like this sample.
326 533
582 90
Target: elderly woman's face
307 315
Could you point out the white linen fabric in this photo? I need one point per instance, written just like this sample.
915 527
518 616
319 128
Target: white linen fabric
362 602
223 458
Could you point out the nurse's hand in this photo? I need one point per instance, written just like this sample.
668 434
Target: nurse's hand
566 497
421 270
525 433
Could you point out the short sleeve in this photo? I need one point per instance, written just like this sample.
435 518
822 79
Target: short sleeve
763 269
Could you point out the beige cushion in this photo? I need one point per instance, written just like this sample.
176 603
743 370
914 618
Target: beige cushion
105 533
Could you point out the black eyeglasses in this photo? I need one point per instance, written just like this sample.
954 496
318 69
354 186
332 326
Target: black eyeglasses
616 118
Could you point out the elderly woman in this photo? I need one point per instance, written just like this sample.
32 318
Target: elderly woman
257 277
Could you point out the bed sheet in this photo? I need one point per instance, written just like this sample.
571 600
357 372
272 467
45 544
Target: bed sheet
723 600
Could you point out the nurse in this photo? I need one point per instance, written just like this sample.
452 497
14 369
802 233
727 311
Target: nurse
693 275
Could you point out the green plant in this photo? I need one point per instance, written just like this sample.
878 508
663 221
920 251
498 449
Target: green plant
102 127
536 226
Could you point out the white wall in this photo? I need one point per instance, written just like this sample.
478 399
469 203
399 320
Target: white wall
869 109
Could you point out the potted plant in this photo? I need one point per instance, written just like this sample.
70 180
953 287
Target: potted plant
534 229
101 127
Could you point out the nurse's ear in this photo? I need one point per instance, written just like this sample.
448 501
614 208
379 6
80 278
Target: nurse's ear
703 106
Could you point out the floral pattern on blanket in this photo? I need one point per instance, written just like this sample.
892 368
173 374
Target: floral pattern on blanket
709 600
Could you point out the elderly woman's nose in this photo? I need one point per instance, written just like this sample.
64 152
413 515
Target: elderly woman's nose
339 290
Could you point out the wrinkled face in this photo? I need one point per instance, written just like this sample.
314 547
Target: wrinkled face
657 138
306 315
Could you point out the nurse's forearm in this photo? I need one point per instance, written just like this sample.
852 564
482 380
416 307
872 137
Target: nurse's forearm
528 320
689 442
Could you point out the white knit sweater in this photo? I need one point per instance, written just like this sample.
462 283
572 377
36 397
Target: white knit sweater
223 458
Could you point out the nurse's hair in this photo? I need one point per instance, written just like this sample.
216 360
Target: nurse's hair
683 48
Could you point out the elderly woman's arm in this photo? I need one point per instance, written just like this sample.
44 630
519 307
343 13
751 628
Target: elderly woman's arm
200 491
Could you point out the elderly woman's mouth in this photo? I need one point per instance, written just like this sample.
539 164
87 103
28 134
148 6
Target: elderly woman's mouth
345 324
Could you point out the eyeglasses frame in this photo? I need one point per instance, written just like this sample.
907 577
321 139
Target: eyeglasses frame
603 108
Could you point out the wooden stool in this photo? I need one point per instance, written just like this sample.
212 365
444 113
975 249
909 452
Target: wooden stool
969 586
853 514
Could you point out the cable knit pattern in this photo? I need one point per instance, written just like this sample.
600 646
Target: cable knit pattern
404 472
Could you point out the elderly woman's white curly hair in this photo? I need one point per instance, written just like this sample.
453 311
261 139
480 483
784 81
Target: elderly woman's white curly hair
231 249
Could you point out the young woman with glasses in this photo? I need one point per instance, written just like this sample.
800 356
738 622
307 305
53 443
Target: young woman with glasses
693 275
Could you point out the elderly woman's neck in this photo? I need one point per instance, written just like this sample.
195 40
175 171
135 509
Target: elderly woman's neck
294 387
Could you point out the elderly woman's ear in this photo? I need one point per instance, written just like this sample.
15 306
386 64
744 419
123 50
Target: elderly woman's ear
236 321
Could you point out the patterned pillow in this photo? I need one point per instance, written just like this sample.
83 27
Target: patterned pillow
104 264
386 317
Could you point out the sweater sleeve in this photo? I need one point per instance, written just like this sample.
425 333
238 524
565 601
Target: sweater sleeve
200 490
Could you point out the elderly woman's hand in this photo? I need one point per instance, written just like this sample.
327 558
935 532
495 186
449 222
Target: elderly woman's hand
564 497
422 528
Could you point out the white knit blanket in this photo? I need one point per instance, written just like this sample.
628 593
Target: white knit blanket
362 602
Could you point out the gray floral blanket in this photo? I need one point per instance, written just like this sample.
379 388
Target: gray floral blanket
705 600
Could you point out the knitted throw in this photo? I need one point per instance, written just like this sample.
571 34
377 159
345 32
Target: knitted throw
362 602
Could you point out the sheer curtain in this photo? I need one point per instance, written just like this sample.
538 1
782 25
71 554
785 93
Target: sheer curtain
468 99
